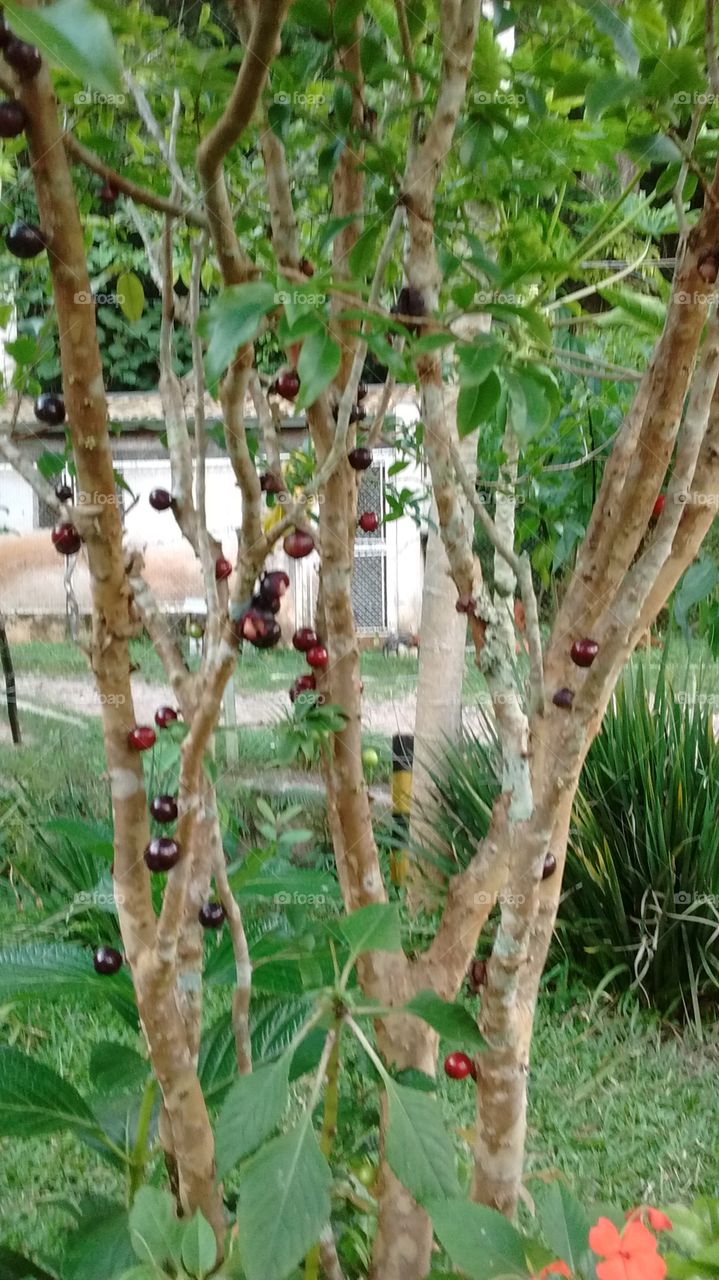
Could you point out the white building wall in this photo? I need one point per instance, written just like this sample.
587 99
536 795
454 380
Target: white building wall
17 502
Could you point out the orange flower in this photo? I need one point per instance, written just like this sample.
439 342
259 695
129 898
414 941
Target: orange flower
658 1220
629 1255
557 1268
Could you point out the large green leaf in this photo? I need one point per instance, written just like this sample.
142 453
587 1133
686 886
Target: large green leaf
284 1203
73 36
132 295
155 1230
199 1247
252 1109
116 1068
479 1241
617 28
564 1224
42 969
372 928
450 1020
34 1099
476 404
99 1248
418 1147
232 320
13 1266
318 364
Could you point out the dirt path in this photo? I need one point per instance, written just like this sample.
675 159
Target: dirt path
65 695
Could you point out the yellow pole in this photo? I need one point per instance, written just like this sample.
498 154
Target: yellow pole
402 760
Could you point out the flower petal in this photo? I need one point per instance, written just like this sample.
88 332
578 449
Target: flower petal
614 1269
641 1267
636 1238
658 1220
604 1237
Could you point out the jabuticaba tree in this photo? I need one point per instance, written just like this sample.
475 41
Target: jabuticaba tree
461 148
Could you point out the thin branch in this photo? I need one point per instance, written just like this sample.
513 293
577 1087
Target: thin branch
159 630
178 439
148 118
678 192
407 51
83 155
243 965
601 284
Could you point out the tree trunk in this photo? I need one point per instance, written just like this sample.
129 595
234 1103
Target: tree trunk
9 673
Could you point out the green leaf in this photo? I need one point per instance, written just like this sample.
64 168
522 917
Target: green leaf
132 295
253 1107
116 1068
529 407
48 969
199 1248
13 1266
479 1241
75 37
418 1147
697 583
100 1247
318 363
450 1020
610 91
617 28
284 1203
564 1224
476 404
477 361
232 320
373 928
362 256
155 1230
50 465
34 1099
653 148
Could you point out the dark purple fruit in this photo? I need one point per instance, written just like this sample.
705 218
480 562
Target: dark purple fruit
288 384
50 408
66 539
303 684
165 716
108 193
273 585
25 240
360 458
106 960
24 58
223 568
298 544
162 853
142 737
305 639
12 118
211 915
270 483
584 652
164 809
368 522
160 499
63 492
269 638
550 866
563 698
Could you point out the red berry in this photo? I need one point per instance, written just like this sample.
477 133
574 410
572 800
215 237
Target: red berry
162 853
298 544
563 698
317 657
25 240
273 586
550 866
12 118
223 568
165 716
466 604
66 539
584 652
24 58
305 639
160 499
141 738
303 684
368 522
211 915
164 809
108 193
360 458
288 384
106 960
659 506
458 1066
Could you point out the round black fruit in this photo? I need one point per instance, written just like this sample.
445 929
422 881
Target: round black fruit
24 58
12 118
63 492
160 499
24 240
50 408
106 960
211 915
164 808
360 458
162 853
